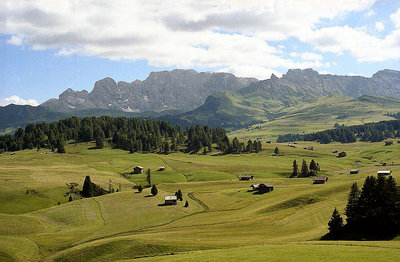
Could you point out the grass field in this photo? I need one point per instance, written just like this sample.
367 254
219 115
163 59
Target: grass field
223 221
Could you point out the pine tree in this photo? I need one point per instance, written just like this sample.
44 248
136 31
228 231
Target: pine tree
140 188
154 190
249 147
88 189
60 147
186 204
352 208
313 165
70 198
99 142
295 172
178 194
148 176
304 169
276 151
335 224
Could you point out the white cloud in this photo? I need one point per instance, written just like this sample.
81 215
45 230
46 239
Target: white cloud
17 101
379 26
231 34
370 13
311 56
15 40
396 18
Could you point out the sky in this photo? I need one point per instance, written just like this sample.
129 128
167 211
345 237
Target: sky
48 46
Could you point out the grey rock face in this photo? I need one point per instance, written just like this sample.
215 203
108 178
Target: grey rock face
179 89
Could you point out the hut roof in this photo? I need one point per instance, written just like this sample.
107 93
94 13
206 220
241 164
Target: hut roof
246 176
139 167
170 198
318 178
384 172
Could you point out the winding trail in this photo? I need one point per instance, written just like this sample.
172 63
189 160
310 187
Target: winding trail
205 207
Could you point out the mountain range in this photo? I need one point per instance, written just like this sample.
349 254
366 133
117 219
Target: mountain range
187 97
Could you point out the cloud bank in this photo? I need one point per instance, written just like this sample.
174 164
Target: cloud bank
242 37
17 101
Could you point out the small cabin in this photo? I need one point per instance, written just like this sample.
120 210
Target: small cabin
319 179
262 188
138 170
161 168
342 154
170 200
335 151
354 171
246 177
384 172
388 142
311 148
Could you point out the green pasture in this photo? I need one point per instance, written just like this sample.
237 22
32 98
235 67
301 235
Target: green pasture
224 221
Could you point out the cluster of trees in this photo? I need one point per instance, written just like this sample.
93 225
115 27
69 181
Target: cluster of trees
237 147
135 135
372 212
306 171
370 132
89 189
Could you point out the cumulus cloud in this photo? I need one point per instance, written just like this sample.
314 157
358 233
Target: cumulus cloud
17 101
231 34
396 18
15 40
379 26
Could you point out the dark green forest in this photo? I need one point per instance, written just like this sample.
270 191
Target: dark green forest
133 134
370 132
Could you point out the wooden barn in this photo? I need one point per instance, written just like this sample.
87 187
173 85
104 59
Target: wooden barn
138 170
246 177
162 168
170 200
388 142
319 179
384 172
354 171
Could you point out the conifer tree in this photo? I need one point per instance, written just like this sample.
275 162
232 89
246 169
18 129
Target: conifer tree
352 208
99 142
88 189
154 190
60 147
304 169
70 198
140 188
148 176
178 194
335 224
186 204
295 172
313 165
276 151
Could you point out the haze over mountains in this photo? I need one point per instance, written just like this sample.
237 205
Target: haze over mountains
189 97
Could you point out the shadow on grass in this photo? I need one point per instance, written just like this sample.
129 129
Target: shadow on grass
148 196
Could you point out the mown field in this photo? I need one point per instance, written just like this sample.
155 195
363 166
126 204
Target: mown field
223 221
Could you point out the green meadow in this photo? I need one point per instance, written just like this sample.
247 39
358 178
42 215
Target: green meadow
223 222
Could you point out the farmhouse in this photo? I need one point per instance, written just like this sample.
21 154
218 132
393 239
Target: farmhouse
384 172
319 179
388 142
170 200
161 168
246 177
354 171
138 170
342 154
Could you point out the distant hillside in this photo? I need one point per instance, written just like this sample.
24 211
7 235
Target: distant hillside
265 100
176 89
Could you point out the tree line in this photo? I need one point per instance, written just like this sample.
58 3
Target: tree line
372 212
306 171
134 134
370 132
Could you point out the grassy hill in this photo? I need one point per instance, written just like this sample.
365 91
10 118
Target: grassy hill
322 114
223 221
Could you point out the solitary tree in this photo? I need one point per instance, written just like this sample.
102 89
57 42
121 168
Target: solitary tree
276 151
335 224
186 204
140 188
88 189
148 176
295 172
154 190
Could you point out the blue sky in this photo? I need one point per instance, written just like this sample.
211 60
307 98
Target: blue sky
48 46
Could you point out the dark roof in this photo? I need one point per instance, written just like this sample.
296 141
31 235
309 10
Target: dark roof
315 178
246 175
